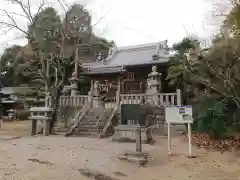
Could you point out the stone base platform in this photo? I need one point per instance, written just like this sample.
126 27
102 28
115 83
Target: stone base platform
140 158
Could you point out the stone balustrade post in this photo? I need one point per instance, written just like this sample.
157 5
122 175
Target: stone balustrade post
179 102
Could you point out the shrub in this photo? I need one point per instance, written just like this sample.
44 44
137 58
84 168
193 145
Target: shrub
217 119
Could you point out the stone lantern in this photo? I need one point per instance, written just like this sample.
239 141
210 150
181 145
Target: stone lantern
96 95
154 81
154 86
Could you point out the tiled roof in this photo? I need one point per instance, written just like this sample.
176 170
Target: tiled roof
137 55
151 53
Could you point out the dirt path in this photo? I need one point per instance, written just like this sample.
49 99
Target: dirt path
15 128
57 157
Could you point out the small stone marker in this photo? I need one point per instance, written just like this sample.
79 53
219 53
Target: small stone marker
138 157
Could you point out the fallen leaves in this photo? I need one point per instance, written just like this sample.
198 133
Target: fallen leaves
204 140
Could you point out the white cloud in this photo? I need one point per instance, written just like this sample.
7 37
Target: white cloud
133 21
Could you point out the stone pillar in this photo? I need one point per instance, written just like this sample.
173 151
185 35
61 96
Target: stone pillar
34 127
138 140
46 127
179 103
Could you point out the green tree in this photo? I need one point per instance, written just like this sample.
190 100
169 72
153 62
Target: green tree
178 71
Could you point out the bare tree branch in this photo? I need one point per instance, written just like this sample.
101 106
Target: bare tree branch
14 22
12 13
27 14
24 9
61 4
103 17
6 31
14 26
29 10
40 7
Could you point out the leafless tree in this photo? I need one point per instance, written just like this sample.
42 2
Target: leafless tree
30 12
10 19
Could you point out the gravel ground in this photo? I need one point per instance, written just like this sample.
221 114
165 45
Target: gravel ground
58 157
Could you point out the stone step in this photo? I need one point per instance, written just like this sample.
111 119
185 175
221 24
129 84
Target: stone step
93 120
95 111
89 130
88 126
92 116
60 129
91 125
86 134
89 113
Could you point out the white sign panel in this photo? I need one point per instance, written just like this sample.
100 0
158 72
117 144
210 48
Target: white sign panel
178 114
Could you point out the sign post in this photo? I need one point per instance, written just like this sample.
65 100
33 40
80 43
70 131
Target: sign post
169 139
179 115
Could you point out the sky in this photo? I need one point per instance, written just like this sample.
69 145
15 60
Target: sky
131 22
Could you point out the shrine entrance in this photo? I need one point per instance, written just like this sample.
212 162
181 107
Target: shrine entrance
105 88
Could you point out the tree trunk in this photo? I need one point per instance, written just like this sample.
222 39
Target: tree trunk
185 94
55 106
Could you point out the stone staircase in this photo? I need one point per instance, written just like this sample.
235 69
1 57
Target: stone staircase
93 122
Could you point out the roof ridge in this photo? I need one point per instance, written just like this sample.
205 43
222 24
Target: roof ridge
136 48
140 46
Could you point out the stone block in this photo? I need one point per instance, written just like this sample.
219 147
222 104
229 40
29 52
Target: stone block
127 133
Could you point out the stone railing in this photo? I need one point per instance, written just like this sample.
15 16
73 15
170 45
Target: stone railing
157 99
73 100
79 100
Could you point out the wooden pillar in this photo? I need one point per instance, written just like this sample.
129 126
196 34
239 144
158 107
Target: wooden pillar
118 93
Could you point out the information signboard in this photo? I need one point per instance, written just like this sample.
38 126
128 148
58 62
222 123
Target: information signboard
179 114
